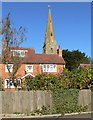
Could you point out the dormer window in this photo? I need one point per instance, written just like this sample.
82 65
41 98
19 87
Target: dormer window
20 53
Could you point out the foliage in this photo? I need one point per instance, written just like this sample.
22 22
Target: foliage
65 88
43 111
43 82
56 109
66 101
91 60
74 59
77 79
14 37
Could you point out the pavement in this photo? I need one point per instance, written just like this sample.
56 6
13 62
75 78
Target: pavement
72 116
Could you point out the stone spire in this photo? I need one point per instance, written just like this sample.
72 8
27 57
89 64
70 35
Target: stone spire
50 45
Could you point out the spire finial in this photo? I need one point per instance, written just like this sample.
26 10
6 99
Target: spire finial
49 8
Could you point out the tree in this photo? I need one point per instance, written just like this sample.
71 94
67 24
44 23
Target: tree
14 37
91 60
74 59
77 79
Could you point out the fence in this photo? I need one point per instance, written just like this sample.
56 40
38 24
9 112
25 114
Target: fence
24 101
27 101
86 98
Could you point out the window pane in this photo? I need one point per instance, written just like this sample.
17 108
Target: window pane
49 68
29 68
20 53
9 68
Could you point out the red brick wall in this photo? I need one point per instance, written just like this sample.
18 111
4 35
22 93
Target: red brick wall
37 69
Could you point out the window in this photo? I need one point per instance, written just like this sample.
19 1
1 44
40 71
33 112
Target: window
13 83
49 68
51 50
9 68
29 68
20 53
51 34
8 84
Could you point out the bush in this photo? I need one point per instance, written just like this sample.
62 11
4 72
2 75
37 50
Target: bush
42 82
77 79
66 101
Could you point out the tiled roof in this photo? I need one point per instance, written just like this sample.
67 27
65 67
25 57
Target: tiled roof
86 66
44 58
32 58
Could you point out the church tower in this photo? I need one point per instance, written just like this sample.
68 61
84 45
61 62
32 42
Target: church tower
50 45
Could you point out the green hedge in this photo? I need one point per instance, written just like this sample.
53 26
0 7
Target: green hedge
77 79
66 101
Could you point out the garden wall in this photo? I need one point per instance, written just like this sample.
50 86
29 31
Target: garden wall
27 101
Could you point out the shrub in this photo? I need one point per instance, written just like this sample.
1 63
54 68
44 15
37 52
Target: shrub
66 101
77 79
42 82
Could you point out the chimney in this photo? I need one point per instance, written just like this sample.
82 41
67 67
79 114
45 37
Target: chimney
59 51
5 44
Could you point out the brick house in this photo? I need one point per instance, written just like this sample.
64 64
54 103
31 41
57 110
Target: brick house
32 64
85 66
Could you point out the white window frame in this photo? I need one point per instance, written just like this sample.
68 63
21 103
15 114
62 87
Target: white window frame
27 70
11 69
19 53
49 68
11 86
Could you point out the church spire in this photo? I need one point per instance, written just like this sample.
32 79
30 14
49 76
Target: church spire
50 45
49 9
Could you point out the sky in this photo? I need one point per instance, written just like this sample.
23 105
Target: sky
72 23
